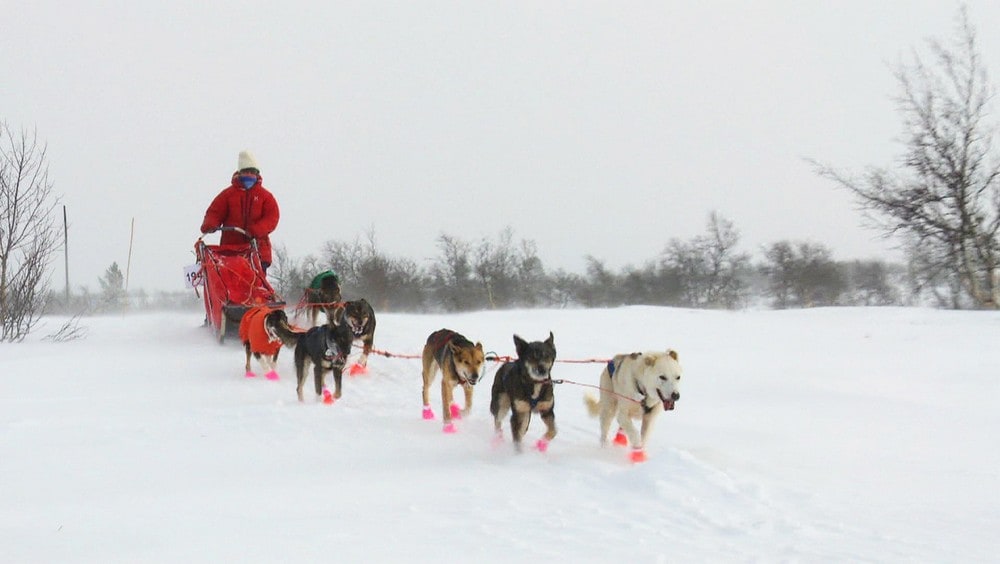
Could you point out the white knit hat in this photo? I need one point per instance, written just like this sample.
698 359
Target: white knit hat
247 160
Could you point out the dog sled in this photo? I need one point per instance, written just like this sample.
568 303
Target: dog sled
233 281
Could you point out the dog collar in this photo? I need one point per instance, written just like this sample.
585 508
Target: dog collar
645 396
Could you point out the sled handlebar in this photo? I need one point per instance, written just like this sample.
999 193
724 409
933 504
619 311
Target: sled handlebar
227 228
236 229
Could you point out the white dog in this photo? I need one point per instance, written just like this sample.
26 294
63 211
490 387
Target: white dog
636 386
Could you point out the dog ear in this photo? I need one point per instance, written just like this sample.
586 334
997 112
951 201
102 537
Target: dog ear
519 344
551 341
672 353
479 345
649 360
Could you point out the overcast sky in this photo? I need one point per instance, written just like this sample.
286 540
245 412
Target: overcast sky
603 128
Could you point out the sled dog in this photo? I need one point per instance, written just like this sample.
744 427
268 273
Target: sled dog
325 347
263 331
322 295
360 317
460 363
524 386
651 380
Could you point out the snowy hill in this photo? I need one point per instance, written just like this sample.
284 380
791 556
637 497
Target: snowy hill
809 436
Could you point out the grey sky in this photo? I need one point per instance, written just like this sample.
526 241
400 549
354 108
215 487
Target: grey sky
601 128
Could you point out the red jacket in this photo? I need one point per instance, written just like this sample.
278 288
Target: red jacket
255 210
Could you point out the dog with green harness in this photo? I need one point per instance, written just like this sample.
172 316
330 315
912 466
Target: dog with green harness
323 294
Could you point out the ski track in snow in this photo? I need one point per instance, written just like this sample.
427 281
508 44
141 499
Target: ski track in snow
145 442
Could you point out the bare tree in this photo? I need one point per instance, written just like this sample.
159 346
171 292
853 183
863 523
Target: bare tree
944 197
454 284
601 287
28 237
531 279
779 269
724 288
802 274
871 285
290 277
708 267
495 269
509 274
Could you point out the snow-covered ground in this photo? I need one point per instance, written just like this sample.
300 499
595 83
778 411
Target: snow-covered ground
807 436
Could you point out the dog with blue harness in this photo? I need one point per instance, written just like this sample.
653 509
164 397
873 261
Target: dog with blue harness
636 386
524 386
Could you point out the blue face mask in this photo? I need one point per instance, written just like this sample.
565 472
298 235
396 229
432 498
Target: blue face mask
248 181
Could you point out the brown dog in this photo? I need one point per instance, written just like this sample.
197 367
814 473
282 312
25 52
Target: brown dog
323 294
460 363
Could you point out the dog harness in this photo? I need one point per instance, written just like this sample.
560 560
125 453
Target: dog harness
612 367
317 281
533 401
440 338
438 341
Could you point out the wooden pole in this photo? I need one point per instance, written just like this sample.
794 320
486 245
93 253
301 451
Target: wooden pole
128 265
66 252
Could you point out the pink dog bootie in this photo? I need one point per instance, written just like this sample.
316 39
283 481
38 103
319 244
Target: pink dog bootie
250 374
450 428
542 445
327 397
620 438
638 455
456 412
428 412
272 375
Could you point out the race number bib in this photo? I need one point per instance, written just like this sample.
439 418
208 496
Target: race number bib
193 276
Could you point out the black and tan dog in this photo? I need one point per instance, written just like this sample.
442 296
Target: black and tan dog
360 317
324 295
325 347
523 386
460 362
263 331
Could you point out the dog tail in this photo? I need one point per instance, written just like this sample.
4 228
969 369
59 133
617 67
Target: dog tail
593 406
289 335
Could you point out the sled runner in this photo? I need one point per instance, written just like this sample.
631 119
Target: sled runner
233 282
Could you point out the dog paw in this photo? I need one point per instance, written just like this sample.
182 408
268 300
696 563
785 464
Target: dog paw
638 455
327 397
456 412
250 374
450 429
428 413
621 439
497 439
542 445
272 375
358 369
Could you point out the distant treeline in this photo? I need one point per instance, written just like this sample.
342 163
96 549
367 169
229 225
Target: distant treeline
706 271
